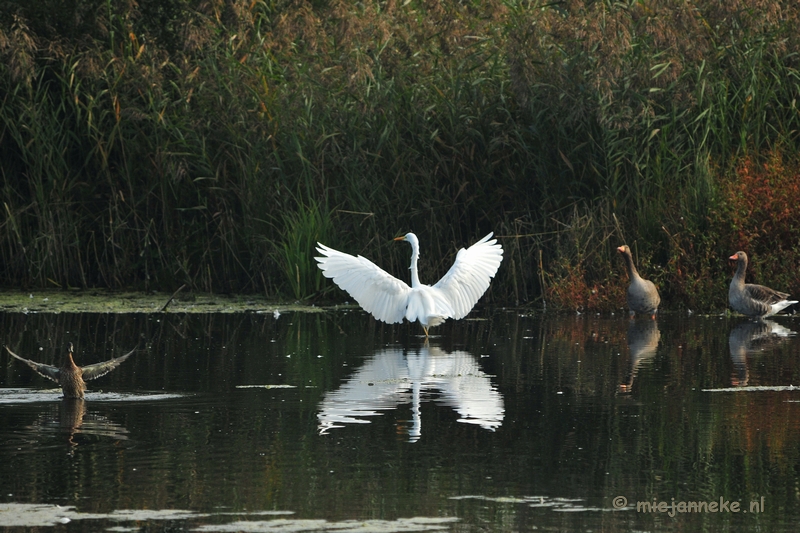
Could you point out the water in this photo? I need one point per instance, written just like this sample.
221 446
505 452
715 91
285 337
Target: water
335 422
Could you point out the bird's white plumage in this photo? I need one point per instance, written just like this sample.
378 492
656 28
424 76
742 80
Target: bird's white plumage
470 275
390 300
378 292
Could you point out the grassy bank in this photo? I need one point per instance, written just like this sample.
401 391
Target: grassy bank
154 144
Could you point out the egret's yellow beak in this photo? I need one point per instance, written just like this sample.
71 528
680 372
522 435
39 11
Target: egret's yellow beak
402 238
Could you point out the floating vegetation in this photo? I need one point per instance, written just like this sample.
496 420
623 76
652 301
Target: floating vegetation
104 301
347 526
266 386
41 515
757 388
556 504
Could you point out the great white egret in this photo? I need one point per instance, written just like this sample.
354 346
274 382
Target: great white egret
751 299
390 300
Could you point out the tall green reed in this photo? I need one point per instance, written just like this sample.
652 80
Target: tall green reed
209 156
303 229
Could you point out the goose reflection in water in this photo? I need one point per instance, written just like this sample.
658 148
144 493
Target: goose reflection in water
395 376
750 337
643 337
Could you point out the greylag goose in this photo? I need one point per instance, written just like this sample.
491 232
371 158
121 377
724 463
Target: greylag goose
70 376
751 299
642 294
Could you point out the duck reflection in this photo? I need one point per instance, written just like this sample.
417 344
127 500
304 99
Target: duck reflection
395 376
749 337
74 419
70 417
70 414
643 337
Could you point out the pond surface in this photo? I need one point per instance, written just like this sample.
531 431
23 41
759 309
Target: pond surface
335 422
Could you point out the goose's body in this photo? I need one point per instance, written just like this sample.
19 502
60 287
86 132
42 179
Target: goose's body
751 299
390 300
70 376
642 294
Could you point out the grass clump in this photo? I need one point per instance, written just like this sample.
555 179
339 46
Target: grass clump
304 228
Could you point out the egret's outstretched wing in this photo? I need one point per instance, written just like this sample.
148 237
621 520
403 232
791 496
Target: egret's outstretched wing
101 369
470 275
378 292
50 372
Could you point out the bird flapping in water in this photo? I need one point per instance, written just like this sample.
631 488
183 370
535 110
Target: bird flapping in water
390 300
70 376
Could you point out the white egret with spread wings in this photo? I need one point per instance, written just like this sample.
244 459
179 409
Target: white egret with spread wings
390 300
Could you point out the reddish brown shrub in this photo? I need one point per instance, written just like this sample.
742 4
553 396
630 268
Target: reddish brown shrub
760 201
758 214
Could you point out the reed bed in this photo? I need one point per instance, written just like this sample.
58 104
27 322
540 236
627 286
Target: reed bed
153 144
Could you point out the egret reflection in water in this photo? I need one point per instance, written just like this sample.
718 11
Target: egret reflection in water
395 376
643 337
750 337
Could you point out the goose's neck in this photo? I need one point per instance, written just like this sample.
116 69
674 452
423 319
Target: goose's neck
741 267
629 266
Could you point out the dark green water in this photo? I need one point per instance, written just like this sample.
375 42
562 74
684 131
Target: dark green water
335 422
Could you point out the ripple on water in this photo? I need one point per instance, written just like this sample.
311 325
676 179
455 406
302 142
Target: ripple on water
18 396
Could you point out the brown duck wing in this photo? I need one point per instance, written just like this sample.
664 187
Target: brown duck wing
101 369
50 372
764 294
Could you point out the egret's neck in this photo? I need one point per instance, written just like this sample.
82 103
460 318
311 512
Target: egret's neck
414 273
